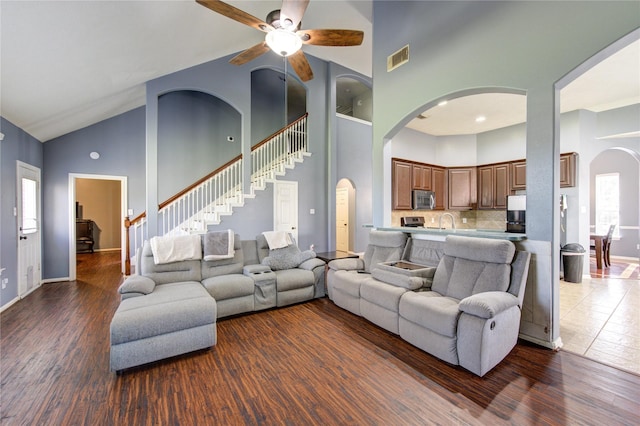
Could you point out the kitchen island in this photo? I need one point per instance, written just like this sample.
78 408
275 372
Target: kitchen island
438 234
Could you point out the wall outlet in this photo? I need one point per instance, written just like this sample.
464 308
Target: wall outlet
312 211
464 220
433 220
637 246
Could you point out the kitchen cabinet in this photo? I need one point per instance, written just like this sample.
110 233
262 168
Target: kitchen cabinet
439 185
462 191
519 175
493 186
421 177
568 163
568 172
401 182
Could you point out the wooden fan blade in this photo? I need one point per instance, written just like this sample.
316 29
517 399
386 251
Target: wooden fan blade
301 66
250 54
236 14
331 37
294 10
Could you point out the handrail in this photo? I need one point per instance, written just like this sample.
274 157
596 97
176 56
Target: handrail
127 224
198 182
284 129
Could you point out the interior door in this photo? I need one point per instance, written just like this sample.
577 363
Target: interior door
285 215
342 219
28 216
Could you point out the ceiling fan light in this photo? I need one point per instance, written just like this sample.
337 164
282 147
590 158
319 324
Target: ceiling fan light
283 42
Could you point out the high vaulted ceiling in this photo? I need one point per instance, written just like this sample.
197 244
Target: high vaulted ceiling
69 64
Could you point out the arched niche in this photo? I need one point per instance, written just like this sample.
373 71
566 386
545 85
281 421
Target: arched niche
354 98
276 100
193 125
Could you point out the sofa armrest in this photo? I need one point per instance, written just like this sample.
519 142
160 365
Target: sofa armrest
348 264
488 304
137 284
311 264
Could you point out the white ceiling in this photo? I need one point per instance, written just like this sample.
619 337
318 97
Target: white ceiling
613 83
65 65
68 64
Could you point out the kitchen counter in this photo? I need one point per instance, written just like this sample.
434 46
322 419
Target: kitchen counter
441 234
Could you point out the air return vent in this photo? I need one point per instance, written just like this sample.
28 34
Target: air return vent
400 57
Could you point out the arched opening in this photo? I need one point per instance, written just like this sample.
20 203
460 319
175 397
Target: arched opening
595 314
345 215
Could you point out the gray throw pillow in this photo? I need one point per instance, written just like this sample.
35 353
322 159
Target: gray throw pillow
287 257
137 284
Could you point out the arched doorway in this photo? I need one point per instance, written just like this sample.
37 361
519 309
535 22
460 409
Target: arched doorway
345 215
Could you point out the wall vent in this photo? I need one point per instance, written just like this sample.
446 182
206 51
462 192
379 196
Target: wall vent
398 58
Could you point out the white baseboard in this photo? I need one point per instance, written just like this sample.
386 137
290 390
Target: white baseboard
54 280
9 304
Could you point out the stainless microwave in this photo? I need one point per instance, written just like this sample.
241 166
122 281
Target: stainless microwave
424 200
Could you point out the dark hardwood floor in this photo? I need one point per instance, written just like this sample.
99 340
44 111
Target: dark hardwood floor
312 363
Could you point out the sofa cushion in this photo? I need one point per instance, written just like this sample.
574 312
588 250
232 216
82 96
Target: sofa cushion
431 310
480 249
186 270
349 281
287 257
384 246
291 279
233 265
169 308
229 286
381 294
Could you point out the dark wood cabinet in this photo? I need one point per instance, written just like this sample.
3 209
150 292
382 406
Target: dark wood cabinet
422 177
568 164
401 183
462 191
439 186
519 175
493 186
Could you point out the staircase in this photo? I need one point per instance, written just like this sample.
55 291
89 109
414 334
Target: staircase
208 200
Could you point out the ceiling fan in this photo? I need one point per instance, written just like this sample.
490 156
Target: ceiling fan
284 35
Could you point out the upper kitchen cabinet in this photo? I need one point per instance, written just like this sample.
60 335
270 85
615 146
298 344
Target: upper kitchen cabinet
422 177
519 175
462 188
568 170
401 183
493 186
568 163
439 185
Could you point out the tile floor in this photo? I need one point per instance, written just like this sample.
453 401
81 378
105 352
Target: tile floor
600 319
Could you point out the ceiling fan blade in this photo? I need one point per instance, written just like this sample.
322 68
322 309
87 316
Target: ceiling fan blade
331 37
250 54
294 10
301 66
236 14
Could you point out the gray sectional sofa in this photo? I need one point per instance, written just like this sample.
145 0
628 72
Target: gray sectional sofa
170 309
459 300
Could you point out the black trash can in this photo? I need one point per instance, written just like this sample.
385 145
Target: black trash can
572 262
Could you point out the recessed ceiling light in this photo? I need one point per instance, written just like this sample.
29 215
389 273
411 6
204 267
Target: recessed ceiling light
442 103
480 118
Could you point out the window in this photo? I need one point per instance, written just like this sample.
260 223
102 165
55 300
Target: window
29 206
607 203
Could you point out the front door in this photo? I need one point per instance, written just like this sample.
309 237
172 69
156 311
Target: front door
28 215
285 215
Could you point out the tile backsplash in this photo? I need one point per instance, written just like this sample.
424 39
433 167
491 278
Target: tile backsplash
475 219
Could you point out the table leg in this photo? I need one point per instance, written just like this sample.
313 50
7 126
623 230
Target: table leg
598 253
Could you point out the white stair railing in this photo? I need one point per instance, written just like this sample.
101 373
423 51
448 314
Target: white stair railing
279 151
204 202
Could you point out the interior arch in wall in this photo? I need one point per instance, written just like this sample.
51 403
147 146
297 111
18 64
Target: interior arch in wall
628 224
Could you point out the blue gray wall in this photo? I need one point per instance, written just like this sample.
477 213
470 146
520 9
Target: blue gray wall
193 124
466 46
16 146
120 142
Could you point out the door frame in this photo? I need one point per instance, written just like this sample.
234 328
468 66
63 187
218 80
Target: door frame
275 206
72 217
18 214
